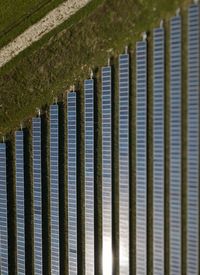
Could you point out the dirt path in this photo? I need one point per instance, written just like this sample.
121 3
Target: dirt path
39 29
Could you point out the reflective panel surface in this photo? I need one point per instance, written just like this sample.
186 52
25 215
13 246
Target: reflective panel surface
54 189
72 192
141 157
175 145
89 176
107 169
37 194
193 141
20 213
3 212
124 163
158 150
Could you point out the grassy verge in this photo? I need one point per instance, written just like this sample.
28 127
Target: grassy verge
17 16
49 67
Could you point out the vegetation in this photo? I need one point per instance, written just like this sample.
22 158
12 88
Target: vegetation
49 67
16 16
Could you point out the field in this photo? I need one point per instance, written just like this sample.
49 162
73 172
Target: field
85 41
18 15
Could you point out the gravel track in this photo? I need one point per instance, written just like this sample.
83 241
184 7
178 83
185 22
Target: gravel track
39 29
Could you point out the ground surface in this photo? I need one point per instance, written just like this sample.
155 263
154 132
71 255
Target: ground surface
35 32
18 15
64 56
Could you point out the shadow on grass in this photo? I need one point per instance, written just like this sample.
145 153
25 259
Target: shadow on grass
45 196
11 196
80 183
28 200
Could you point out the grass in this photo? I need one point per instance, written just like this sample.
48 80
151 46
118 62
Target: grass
16 16
63 57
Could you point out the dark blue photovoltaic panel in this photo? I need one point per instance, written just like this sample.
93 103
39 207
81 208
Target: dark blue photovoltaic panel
158 149
3 212
107 168
54 188
141 158
72 191
37 194
20 213
193 141
124 163
175 145
89 176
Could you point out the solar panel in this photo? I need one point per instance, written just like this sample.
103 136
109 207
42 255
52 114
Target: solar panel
124 163
37 194
107 168
89 176
20 213
175 145
141 157
54 188
72 191
158 149
193 141
3 212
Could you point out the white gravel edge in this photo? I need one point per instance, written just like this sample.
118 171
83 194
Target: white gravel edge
53 19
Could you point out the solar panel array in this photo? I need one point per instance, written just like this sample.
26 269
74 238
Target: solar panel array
176 153
141 157
158 149
20 212
107 168
175 144
89 176
3 212
124 163
54 189
193 140
72 192
37 194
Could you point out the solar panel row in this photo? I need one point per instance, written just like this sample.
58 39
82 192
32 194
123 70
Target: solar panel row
175 144
20 213
107 168
89 176
193 140
124 163
72 192
158 149
141 157
37 194
3 212
54 189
